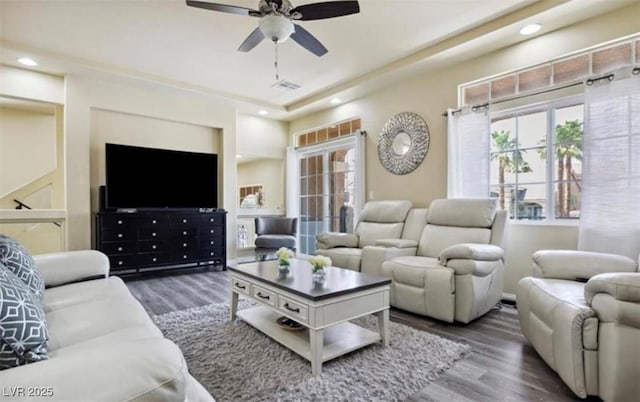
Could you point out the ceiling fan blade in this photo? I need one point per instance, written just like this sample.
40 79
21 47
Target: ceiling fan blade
308 41
252 40
329 9
225 8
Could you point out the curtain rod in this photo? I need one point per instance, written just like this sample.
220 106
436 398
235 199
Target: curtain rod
590 81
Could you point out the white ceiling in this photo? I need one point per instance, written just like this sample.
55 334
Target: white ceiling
169 42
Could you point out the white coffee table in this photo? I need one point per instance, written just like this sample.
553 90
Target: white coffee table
323 309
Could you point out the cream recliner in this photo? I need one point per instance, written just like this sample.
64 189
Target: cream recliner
456 271
581 312
378 220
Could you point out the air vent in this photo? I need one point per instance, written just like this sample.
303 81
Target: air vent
286 85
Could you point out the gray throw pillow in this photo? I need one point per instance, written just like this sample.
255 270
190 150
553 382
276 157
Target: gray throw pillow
23 327
19 261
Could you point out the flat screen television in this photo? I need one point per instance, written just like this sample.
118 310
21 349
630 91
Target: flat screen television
152 178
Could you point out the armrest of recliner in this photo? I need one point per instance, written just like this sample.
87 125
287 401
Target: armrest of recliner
71 266
374 256
336 239
471 251
622 286
398 243
578 265
472 258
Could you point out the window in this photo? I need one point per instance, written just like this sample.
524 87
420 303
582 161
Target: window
535 160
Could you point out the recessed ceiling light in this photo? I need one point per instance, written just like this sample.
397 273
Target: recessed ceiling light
263 112
530 29
238 156
335 101
27 61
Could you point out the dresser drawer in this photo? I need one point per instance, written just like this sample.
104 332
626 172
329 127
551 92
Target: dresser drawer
185 221
155 221
151 233
119 247
184 232
117 221
119 234
152 246
184 256
211 241
263 295
184 244
212 253
153 258
241 286
122 261
293 309
212 231
211 220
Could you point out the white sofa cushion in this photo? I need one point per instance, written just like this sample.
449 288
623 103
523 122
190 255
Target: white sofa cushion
467 212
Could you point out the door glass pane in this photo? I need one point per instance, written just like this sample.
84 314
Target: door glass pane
327 201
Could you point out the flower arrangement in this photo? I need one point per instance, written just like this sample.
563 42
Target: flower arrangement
284 254
318 262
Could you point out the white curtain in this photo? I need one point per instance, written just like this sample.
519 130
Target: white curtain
293 184
361 141
610 206
468 153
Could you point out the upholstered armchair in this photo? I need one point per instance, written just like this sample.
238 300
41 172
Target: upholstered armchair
456 270
273 232
378 220
581 312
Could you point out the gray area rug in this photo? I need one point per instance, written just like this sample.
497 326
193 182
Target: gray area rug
236 362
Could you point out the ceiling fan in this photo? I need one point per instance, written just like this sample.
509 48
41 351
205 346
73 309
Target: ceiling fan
276 20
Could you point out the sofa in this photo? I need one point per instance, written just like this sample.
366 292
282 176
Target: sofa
102 345
378 220
581 313
455 272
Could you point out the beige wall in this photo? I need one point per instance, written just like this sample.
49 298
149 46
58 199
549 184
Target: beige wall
27 147
123 128
28 84
154 102
266 172
431 92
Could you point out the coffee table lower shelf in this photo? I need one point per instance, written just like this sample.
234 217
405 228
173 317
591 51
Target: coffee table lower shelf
338 339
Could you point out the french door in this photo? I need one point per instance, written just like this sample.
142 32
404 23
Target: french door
329 195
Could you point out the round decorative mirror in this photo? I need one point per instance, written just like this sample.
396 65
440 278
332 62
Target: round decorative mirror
403 143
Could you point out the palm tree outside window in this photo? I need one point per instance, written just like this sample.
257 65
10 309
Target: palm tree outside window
526 182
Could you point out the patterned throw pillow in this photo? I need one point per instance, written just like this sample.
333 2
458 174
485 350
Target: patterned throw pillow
18 260
23 328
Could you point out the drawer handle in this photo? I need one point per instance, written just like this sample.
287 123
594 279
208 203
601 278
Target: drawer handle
184 221
210 219
295 310
184 233
155 259
260 295
119 234
119 262
184 257
212 231
153 247
184 244
119 222
119 248
153 234
153 221
239 286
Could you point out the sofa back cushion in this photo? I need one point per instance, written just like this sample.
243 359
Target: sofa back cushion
414 224
19 261
369 232
457 220
23 328
463 212
390 211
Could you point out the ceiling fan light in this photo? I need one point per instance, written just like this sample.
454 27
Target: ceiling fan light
276 27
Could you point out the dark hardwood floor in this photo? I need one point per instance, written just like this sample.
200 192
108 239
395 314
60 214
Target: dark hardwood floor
501 367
